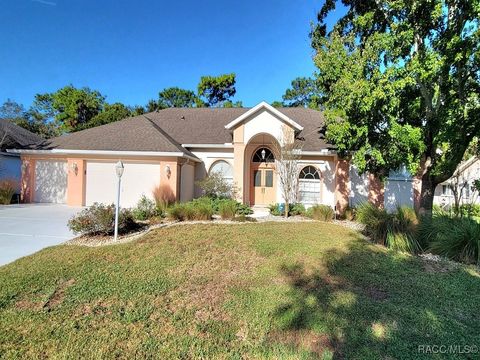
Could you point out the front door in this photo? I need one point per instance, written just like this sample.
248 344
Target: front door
263 185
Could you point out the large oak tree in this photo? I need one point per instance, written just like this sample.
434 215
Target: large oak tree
400 82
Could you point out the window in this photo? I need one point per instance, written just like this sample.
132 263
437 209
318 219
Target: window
263 155
268 178
223 168
309 185
257 176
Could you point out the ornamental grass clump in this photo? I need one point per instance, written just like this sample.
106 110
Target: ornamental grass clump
457 238
7 190
320 212
395 230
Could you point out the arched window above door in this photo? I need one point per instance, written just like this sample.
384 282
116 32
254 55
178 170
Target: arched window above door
263 155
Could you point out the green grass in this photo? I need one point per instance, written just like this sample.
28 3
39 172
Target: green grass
275 290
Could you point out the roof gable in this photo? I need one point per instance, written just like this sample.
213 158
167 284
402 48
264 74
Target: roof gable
263 105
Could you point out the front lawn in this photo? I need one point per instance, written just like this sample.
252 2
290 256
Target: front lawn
269 290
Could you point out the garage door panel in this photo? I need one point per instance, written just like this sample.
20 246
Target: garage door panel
138 179
50 182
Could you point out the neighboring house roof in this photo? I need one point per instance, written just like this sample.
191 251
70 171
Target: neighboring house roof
15 137
167 129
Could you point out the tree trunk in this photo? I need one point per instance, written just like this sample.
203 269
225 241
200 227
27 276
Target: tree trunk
287 208
426 194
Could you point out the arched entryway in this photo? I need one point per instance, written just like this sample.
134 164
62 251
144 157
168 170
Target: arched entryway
263 183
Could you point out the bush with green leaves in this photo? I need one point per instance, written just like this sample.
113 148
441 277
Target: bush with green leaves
146 209
198 209
275 210
457 238
99 219
296 209
395 230
216 186
470 210
320 212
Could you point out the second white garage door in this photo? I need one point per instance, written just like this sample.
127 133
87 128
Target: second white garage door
138 179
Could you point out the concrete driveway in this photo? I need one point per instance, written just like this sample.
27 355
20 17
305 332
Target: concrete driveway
27 228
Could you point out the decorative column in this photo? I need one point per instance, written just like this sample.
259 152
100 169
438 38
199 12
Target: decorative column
342 185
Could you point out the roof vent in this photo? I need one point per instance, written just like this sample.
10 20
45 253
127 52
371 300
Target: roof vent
182 117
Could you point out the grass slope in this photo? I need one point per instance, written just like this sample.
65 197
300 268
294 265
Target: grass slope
275 290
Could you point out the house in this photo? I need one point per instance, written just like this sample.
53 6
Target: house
462 180
175 147
14 137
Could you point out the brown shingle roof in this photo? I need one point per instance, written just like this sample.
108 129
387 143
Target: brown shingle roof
165 130
15 137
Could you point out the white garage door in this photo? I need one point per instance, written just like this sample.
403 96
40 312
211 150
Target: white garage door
50 182
138 179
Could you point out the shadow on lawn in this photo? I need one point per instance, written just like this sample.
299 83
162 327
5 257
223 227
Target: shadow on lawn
370 303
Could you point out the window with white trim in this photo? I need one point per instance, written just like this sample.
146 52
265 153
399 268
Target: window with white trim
224 168
309 185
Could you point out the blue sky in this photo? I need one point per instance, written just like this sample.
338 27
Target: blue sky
130 50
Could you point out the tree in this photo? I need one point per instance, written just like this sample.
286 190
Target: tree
215 90
70 108
400 84
176 97
303 93
287 156
110 113
231 104
277 104
12 110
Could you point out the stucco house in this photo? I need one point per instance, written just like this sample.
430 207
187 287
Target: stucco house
175 147
14 137
467 172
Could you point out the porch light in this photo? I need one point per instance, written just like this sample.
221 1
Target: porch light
263 154
74 168
168 171
119 171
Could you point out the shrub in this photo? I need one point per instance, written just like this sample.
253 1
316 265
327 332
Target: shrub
163 196
99 219
296 209
470 210
198 209
7 190
216 186
227 209
457 238
177 212
320 212
243 209
145 209
275 209
396 231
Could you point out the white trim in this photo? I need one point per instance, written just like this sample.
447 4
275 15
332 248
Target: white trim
6 153
321 152
102 152
268 107
222 146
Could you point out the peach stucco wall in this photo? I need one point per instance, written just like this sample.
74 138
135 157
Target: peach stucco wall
76 182
376 191
342 188
76 179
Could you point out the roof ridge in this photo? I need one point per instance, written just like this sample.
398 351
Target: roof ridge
167 136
